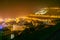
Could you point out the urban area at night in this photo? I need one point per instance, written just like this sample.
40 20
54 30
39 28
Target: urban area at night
29 20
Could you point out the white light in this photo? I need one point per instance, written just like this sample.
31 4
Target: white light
43 11
12 36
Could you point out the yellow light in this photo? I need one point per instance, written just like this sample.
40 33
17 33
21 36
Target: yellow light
17 20
9 20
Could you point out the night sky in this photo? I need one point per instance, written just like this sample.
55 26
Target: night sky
16 8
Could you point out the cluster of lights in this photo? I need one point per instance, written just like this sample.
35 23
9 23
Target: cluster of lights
42 11
12 19
45 10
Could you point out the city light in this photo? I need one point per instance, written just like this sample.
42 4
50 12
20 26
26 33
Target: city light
1 19
12 36
42 11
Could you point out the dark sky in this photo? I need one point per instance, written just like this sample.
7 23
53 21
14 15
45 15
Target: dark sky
16 8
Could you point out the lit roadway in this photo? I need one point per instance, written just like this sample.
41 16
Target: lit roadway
44 16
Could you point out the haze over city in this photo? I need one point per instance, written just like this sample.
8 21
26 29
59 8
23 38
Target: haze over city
16 8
